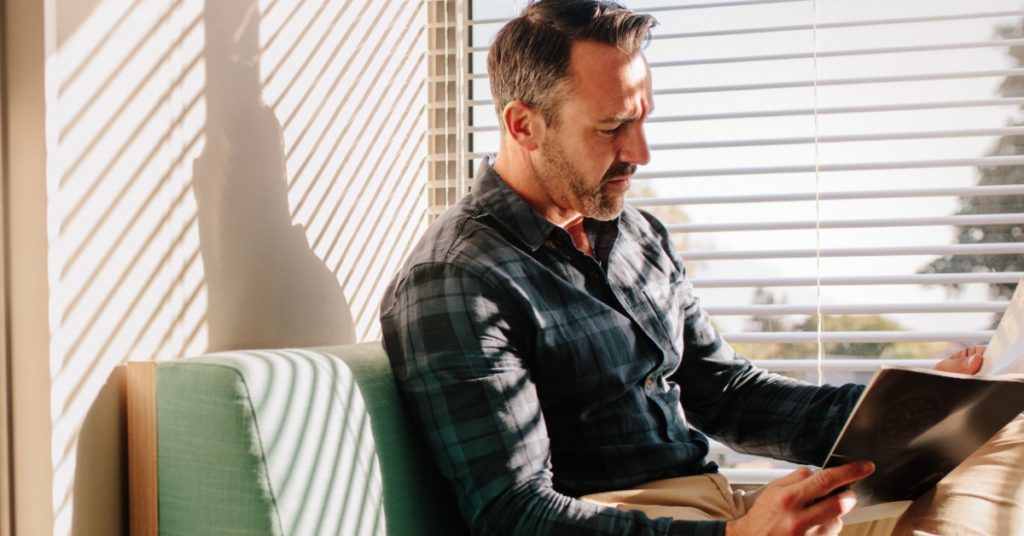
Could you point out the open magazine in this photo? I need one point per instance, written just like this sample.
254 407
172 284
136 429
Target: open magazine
918 425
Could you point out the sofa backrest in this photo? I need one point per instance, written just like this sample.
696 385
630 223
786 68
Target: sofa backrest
292 442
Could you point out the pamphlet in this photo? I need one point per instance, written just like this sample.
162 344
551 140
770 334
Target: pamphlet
918 425
1005 352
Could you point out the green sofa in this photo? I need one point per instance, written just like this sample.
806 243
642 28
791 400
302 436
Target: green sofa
290 442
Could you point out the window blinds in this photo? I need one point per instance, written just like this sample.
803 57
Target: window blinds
861 160
857 161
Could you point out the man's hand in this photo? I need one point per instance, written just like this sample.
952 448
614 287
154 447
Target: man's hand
966 361
799 503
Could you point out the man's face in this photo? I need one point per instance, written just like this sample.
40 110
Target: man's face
591 150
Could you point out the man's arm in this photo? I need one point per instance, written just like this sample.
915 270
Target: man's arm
758 412
457 343
728 398
752 410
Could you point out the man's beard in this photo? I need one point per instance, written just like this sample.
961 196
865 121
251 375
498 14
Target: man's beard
559 175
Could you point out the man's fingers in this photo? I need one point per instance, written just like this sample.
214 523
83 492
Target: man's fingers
834 528
827 480
966 361
799 474
799 503
826 512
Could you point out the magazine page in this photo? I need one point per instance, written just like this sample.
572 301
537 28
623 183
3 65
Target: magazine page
1005 353
917 425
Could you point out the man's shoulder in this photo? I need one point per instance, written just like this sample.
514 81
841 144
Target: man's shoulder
465 238
640 220
642 226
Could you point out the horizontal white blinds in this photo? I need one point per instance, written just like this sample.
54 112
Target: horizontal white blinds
865 155
822 111
789 84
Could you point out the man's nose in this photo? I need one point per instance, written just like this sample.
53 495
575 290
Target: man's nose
634 148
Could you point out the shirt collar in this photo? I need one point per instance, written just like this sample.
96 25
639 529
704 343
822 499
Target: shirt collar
494 196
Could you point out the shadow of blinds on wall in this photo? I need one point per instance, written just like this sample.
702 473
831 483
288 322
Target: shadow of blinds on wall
856 161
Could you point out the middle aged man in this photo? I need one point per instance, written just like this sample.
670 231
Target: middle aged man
550 345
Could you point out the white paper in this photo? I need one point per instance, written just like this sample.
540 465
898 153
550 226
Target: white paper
1005 352
876 511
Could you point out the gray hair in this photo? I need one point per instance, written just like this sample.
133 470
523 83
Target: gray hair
529 59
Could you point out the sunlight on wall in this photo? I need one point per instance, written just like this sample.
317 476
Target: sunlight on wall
122 236
349 94
223 175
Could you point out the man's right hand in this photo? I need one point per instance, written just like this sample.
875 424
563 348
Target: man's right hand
799 503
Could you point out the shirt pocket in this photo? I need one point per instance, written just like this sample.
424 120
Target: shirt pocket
666 300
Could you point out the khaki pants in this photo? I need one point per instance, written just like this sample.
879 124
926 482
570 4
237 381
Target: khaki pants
983 496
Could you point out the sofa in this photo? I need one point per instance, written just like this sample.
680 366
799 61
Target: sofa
279 442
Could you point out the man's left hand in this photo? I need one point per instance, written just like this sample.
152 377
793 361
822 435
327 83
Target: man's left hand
966 361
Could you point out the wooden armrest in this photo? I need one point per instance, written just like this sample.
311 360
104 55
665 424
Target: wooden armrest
142 448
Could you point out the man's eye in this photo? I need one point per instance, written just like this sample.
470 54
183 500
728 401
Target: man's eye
612 131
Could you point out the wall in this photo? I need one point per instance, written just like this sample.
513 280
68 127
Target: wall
218 174
25 243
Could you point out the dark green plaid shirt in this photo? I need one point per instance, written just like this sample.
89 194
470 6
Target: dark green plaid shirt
539 374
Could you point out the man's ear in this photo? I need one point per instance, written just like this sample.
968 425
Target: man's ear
523 124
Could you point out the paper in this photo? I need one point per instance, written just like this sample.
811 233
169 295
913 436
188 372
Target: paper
917 425
1005 352
876 511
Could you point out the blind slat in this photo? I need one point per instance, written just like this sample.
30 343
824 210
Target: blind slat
986 219
972 191
832 110
794 84
825 168
993 248
999 43
924 77
936 47
657 9
836 110
831 281
830 337
857 309
848 138
841 24
737 3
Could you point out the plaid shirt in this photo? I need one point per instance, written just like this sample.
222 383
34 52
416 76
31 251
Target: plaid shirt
540 374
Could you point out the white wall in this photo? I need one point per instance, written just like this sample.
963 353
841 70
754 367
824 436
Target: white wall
208 175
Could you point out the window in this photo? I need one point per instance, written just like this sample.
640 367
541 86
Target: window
856 161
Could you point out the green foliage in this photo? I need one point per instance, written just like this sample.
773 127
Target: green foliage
869 350
1012 86
767 323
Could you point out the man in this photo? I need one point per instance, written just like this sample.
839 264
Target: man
548 341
